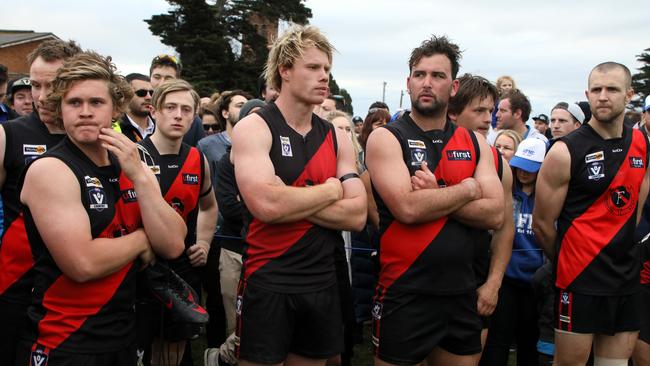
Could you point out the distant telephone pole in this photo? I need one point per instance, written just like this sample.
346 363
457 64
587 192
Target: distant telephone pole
383 93
401 96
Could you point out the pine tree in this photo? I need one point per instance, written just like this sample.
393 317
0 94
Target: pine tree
641 80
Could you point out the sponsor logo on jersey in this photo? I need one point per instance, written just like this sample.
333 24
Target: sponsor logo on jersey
636 162
565 298
129 196
596 170
172 166
93 182
155 169
418 156
34 149
438 141
416 144
621 200
97 199
597 156
177 205
618 150
191 179
459 155
285 144
565 319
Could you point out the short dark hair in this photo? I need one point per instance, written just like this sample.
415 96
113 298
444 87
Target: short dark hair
518 101
224 101
434 46
261 86
610 65
137 76
4 75
54 49
166 60
470 87
379 104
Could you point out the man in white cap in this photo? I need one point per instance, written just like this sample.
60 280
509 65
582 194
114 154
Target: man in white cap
565 118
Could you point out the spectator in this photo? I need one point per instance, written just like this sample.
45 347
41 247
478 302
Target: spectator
20 96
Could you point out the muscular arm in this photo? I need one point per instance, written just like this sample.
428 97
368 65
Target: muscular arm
550 193
501 248
165 228
348 213
486 212
373 214
52 194
266 198
206 221
392 181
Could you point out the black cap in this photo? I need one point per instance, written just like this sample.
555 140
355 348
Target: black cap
22 83
357 120
541 117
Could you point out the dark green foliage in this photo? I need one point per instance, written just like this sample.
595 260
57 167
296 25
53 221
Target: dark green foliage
641 80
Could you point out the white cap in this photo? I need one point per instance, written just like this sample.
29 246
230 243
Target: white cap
647 104
529 155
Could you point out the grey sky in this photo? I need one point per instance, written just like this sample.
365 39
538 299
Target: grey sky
549 47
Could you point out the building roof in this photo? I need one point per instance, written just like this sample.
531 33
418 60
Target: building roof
15 37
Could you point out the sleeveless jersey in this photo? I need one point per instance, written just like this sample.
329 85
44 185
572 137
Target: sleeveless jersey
299 256
181 178
26 139
434 257
96 316
597 253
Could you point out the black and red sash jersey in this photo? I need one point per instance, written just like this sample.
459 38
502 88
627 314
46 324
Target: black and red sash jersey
26 139
434 257
596 249
483 237
299 256
181 178
96 316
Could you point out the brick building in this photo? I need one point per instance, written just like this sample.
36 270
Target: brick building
15 45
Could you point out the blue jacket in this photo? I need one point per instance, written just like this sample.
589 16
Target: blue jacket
527 257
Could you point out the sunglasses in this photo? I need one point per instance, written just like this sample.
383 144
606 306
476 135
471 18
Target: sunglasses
213 127
167 57
143 92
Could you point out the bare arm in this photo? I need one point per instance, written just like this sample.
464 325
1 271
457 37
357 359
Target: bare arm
501 248
206 222
348 213
486 212
267 199
550 193
373 214
165 228
52 193
392 181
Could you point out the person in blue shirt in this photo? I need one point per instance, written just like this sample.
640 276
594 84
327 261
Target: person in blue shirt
514 320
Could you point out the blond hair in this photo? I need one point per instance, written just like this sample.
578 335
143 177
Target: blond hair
171 86
501 79
514 136
331 116
291 46
89 66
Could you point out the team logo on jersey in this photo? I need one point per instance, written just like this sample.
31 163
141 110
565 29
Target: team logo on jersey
565 298
97 199
285 144
636 162
621 200
93 182
459 155
34 149
418 156
596 170
416 144
377 308
191 179
238 304
39 358
177 205
597 156
129 196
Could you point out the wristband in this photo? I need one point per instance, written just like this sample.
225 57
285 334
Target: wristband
348 176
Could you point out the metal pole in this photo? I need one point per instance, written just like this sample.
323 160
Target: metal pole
401 96
383 93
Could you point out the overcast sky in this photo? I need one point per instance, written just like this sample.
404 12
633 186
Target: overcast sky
549 47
